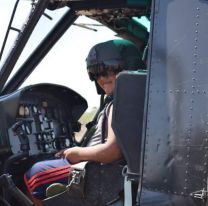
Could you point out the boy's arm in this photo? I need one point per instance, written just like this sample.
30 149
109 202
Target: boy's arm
105 153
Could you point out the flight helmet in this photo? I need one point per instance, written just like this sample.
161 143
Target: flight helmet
115 55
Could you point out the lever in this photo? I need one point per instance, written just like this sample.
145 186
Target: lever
23 138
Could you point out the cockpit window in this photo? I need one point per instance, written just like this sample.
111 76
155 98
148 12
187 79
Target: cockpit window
65 63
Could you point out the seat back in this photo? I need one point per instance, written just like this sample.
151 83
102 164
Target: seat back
128 106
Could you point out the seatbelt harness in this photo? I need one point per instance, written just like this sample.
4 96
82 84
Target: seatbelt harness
129 177
127 192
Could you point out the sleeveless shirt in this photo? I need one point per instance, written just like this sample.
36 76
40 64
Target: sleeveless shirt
101 129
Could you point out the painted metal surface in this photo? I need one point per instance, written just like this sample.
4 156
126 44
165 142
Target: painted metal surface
176 146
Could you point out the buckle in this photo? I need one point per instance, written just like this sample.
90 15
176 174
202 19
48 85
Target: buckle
130 175
76 176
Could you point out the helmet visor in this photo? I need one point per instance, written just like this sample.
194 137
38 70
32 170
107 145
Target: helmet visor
96 71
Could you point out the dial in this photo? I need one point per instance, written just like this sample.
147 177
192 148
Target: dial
27 111
21 111
35 109
67 142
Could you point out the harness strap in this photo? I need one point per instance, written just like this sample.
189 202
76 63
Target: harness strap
105 116
127 192
129 178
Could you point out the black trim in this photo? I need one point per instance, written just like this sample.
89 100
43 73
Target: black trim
21 42
40 52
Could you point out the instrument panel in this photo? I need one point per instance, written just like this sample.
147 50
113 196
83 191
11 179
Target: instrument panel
43 119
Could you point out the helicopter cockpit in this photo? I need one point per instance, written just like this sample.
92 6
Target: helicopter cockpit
39 120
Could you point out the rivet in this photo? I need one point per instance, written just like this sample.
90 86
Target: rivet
165 180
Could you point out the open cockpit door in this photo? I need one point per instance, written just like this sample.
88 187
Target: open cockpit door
175 158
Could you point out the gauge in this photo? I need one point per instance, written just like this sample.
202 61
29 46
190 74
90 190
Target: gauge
67 142
42 127
21 110
51 125
49 138
45 104
35 109
53 135
39 137
40 118
64 129
28 128
23 127
54 145
45 137
46 146
27 111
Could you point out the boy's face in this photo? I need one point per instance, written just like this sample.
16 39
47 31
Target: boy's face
105 76
107 83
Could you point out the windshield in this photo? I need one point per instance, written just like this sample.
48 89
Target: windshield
65 63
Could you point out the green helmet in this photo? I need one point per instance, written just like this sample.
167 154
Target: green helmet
117 53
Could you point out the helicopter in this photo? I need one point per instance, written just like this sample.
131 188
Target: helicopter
160 123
